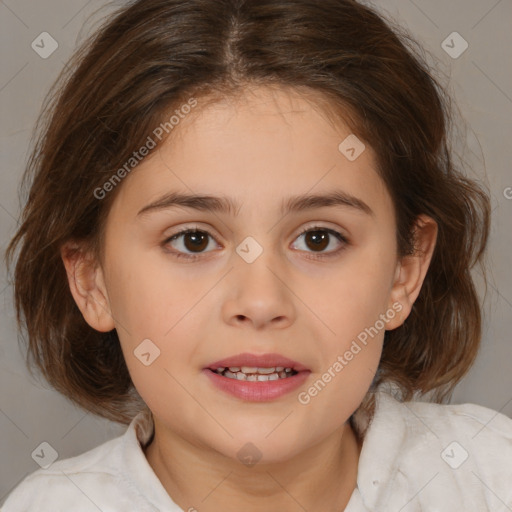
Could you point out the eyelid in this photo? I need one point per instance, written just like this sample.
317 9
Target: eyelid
194 227
317 225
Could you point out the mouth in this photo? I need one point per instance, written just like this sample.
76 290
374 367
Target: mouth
257 378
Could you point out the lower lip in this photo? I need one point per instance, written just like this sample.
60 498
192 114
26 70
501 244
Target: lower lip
263 391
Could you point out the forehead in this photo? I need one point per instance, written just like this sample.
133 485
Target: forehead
257 148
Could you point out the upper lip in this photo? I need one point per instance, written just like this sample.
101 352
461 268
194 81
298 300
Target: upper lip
258 361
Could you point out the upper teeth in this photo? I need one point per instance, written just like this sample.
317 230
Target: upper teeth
252 373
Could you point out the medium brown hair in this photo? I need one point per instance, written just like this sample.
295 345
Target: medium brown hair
148 59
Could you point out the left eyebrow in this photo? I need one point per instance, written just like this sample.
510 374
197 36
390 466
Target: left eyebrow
224 204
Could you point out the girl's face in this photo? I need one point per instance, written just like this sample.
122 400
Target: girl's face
249 281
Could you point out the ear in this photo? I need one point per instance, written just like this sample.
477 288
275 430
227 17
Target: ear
87 285
411 270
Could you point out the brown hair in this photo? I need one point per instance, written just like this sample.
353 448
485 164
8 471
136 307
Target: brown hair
153 55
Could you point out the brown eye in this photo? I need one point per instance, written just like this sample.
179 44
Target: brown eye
189 242
318 239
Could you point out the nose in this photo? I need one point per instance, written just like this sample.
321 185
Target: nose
259 294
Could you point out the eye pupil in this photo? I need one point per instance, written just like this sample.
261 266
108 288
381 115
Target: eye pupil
198 239
320 239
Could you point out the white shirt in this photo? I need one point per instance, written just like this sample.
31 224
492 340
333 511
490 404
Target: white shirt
416 456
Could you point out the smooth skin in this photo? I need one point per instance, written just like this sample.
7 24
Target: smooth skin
258 149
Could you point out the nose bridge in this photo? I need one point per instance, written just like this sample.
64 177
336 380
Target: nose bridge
258 284
257 265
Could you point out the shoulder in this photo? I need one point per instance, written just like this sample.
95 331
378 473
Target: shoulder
484 433
66 484
461 453
479 423
464 431
92 481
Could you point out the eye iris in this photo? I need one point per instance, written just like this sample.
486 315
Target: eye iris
320 239
198 238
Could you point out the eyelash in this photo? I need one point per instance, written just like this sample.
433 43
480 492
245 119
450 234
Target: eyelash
194 257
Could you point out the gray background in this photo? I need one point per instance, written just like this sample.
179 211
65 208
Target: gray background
481 82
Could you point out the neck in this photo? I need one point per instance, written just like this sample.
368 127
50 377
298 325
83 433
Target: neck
323 477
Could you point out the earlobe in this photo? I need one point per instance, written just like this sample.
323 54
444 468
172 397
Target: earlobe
411 270
87 285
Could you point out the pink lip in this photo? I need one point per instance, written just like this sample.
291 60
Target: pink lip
260 361
257 391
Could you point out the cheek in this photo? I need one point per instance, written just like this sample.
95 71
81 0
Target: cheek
150 301
355 295
149 295
349 363
353 305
